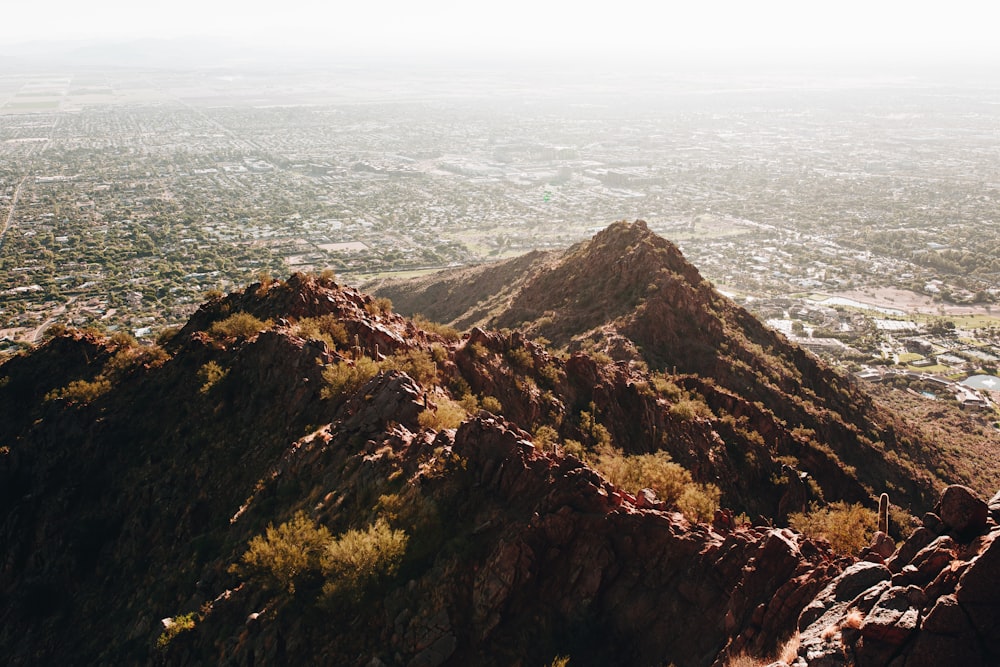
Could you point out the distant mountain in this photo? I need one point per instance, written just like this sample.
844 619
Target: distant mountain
301 475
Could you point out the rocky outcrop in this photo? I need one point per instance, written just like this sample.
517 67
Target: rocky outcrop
935 601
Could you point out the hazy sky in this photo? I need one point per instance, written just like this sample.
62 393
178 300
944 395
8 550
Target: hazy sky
851 29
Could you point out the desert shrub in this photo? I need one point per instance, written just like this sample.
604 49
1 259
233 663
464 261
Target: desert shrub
574 448
177 625
447 414
439 353
469 403
904 522
130 358
549 373
478 351
285 555
447 332
379 306
598 434
123 339
545 438
359 558
848 528
654 471
688 409
491 404
666 388
81 391
670 481
238 325
347 376
520 359
55 330
326 328
210 374
418 364
167 334
698 502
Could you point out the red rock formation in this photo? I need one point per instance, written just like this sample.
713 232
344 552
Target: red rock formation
937 602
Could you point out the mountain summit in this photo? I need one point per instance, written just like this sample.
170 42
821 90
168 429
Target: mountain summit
301 475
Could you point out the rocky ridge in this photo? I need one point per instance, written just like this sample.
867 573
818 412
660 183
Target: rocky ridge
933 601
126 508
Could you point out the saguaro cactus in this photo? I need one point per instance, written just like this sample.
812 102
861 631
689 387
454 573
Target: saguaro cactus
883 513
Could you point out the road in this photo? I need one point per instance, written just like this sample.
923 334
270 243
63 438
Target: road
10 213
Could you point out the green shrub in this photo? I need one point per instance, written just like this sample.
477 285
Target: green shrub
666 388
598 434
326 328
347 376
283 556
520 359
81 391
210 374
238 325
698 502
688 409
545 438
359 558
574 448
418 364
549 373
478 351
670 481
469 403
379 306
177 625
447 332
848 528
491 404
654 471
447 414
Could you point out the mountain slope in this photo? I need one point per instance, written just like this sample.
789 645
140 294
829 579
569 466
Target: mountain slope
133 501
301 476
631 294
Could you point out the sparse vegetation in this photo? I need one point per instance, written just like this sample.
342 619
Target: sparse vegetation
416 363
176 626
491 404
670 481
81 391
239 325
359 558
445 414
347 376
286 555
210 374
449 333
326 328
848 528
378 306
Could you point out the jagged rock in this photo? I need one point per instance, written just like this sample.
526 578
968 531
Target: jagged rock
917 540
933 523
851 583
994 507
961 510
882 545
928 562
942 606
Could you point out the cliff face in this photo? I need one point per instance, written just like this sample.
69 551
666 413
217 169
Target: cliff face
135 480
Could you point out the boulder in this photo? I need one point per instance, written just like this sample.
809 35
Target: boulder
961 510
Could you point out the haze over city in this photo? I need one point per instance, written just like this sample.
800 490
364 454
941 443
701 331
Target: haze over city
674 34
